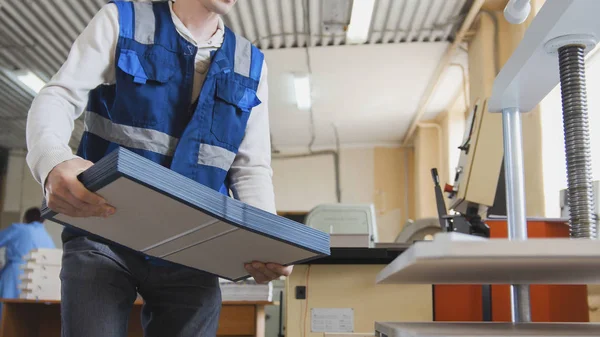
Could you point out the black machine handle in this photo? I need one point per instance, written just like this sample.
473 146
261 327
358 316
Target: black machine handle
439 201
435 176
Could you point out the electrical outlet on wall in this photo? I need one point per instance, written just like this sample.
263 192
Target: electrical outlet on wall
300 292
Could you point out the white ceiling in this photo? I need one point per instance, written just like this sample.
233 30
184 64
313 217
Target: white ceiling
370 92
376 84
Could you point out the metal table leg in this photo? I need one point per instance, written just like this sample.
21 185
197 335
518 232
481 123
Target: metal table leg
515 202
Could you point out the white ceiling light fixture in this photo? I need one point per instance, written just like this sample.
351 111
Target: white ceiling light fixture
31 80
302 88
360 21
336 15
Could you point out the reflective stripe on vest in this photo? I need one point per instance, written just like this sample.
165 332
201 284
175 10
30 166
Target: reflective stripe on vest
145 24
147 110
210 155
137 21
129 136
243 55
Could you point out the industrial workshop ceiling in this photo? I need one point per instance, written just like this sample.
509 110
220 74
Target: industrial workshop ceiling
376 83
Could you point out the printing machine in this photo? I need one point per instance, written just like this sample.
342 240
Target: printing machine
552 51
348 225
418 230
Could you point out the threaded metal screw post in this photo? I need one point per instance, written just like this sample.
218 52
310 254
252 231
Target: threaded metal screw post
577 141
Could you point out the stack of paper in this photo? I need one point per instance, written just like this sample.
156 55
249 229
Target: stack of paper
166 215
247 290
40 279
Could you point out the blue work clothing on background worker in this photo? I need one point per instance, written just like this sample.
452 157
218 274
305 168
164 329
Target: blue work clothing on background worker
18 240
168 81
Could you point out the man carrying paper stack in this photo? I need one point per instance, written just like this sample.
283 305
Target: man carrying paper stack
168 81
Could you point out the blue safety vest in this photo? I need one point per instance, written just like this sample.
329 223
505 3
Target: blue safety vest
149 109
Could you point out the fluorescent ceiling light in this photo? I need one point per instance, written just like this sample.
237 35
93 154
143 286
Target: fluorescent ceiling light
302 86
31 80
360 21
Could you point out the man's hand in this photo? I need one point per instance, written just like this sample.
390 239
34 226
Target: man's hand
65 194
264 273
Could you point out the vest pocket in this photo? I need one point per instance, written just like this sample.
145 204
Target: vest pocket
142 89
233 103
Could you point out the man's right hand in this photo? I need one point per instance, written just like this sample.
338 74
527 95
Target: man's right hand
65 194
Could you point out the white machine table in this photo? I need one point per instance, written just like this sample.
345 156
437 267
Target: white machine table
440 329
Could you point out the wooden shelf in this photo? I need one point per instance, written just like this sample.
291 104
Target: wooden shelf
31 318
138 302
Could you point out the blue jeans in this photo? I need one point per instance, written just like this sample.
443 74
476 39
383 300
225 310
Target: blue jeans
100 283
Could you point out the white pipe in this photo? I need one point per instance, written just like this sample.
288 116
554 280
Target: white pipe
440 143
406 179
465 84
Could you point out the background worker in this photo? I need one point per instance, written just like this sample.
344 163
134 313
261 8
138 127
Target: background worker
18 240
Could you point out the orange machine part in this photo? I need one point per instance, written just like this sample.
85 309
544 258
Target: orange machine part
549 303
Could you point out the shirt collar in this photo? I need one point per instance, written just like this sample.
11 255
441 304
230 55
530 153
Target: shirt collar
214 41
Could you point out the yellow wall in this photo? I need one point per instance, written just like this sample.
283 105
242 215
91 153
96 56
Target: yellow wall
427 156
393 190
594 302
353 286
376 175
452 122
482 50
303 183
436 146
481 61
444 121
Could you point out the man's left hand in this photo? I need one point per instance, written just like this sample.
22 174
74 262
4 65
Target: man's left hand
266 272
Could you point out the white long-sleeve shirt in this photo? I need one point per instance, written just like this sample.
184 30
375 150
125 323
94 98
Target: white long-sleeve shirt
91 62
